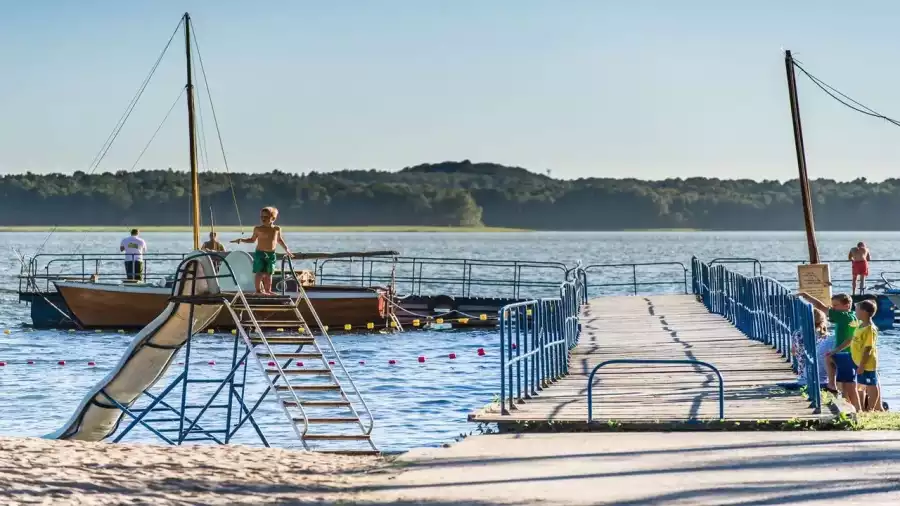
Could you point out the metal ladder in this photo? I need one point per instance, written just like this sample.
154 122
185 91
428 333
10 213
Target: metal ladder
318 405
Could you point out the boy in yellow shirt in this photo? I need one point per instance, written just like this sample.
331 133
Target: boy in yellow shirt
863 350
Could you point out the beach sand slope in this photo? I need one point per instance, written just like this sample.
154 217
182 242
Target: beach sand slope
38 471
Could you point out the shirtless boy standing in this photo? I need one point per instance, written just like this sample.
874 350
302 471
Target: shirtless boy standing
267 238
859 257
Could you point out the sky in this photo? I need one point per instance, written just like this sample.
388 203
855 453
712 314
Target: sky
593 88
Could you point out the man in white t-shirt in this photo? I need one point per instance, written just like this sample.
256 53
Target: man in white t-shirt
134 248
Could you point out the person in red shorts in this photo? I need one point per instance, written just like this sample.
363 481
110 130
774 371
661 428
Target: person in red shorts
859 261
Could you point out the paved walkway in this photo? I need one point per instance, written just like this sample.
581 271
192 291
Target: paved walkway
663 327
715 468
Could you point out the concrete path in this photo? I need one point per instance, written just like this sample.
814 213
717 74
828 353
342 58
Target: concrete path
651 468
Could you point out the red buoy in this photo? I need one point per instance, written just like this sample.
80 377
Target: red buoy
331 362
2 364
452 356
92 363
481 352
362 362
392 362
514 346
31 362
421 358
271 364
212 362
299 364
61 362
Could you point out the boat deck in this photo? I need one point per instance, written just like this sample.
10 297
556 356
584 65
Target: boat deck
662 327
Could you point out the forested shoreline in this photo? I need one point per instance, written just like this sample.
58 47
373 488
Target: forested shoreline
444 194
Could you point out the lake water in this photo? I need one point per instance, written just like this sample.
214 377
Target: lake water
415 404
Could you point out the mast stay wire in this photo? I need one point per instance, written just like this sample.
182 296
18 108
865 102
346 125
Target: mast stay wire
146 147
212 108
114 134
158 128
843 98
203 152
131 105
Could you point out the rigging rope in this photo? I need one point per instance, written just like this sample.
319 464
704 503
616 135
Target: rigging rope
212 108
111 138
155 133
832 92
95 163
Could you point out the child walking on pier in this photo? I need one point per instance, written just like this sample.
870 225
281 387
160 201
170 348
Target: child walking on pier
267 237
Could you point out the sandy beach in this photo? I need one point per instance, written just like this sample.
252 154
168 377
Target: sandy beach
37 471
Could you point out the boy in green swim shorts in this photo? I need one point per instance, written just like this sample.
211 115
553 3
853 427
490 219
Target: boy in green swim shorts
267 237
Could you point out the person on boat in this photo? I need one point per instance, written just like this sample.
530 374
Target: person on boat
134 248
859 260
213 244
267 237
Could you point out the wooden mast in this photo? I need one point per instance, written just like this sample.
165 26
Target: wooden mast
801 160
192 137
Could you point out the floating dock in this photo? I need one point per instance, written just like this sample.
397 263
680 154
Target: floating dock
719 356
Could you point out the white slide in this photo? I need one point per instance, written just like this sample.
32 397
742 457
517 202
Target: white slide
146 359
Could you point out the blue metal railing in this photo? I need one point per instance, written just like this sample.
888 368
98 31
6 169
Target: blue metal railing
764 310
535 339
590 396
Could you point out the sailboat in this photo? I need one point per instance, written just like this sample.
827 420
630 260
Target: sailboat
86 302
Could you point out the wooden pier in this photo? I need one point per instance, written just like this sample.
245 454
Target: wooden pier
669 327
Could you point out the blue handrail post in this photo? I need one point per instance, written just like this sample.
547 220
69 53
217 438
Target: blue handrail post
590 385
541 332
765 310
503 371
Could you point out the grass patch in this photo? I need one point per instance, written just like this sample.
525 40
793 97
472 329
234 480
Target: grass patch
287 228
876 420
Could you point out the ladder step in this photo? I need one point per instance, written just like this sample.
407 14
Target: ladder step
311 388
289 372
283 340
289 355
360 453
336 419
337 437
319 404
287 324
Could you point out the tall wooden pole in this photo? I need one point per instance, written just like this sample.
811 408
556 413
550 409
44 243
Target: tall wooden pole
801 160
192 139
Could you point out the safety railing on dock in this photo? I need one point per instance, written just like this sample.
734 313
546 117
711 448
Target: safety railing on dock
535 339
765 310
634 278
38 272
785 271
458 277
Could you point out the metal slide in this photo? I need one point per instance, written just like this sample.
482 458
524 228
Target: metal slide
146 359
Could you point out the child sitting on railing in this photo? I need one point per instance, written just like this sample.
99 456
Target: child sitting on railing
823 346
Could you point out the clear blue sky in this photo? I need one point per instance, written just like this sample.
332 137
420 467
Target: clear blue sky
592 88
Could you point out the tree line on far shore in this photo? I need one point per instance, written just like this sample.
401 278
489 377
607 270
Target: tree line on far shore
444 194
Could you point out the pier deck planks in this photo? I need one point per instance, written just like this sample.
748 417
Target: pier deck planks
663 327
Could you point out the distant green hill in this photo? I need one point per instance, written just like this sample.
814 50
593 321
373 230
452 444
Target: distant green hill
458 194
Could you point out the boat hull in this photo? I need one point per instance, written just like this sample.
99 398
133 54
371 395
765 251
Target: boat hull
129 307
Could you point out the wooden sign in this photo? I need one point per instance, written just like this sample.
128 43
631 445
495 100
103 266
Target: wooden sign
815 279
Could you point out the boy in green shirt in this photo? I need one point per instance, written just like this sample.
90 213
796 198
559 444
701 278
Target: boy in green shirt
864 353
839 365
